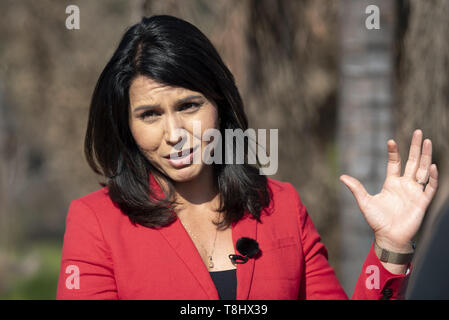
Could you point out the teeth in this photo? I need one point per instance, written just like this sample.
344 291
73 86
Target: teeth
180 152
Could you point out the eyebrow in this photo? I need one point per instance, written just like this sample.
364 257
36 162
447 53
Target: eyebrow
151 106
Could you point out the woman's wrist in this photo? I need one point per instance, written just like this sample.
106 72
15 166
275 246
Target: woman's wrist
395 247
398 247
395 268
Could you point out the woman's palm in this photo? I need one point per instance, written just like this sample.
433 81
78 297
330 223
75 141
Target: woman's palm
395 214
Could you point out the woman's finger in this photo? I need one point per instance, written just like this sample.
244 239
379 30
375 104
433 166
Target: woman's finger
394 159
357 189
414 155
432 186
422 175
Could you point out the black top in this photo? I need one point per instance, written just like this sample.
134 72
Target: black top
226 283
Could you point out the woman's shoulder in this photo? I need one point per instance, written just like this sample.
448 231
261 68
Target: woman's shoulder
96 213
281 188
95 198
286 210
97 201
284 194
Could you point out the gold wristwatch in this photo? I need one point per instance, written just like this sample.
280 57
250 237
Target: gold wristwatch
393 257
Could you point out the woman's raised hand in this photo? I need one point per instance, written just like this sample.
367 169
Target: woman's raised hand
395 214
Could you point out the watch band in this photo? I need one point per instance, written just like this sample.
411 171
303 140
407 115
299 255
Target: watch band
392 257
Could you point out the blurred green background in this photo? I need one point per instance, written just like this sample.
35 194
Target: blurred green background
34 270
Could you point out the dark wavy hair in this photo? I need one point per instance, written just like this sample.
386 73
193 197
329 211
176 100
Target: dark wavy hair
170 51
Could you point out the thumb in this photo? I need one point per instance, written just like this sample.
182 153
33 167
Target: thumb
357 189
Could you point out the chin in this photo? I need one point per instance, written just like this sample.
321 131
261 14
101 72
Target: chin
185 174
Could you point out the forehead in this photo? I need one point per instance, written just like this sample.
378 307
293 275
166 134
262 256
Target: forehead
144 89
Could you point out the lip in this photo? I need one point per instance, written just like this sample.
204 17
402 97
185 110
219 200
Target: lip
176 160
176 155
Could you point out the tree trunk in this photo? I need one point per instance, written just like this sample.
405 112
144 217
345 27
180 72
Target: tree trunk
364 121
423 84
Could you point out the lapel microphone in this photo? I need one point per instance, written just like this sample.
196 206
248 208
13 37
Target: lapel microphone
247 247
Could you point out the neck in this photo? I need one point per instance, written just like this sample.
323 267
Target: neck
199 194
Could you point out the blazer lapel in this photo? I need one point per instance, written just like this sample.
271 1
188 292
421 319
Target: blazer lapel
182 244
184 247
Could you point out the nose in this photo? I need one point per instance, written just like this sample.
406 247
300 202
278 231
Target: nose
174 130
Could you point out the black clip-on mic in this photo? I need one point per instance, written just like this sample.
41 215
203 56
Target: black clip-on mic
248 247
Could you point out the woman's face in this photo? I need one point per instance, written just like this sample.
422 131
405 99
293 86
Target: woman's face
161 120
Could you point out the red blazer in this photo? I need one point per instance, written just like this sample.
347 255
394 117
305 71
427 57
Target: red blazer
105 256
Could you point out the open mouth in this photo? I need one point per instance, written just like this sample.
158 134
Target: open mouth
181 154
181 158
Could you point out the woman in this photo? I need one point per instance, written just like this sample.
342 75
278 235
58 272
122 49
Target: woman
166 227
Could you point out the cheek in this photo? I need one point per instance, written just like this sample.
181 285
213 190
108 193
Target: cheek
208 119
148 138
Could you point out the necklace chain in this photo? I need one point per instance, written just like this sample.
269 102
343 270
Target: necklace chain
210 259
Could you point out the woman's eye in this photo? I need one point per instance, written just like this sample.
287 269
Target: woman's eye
190 105
153 114
148 114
